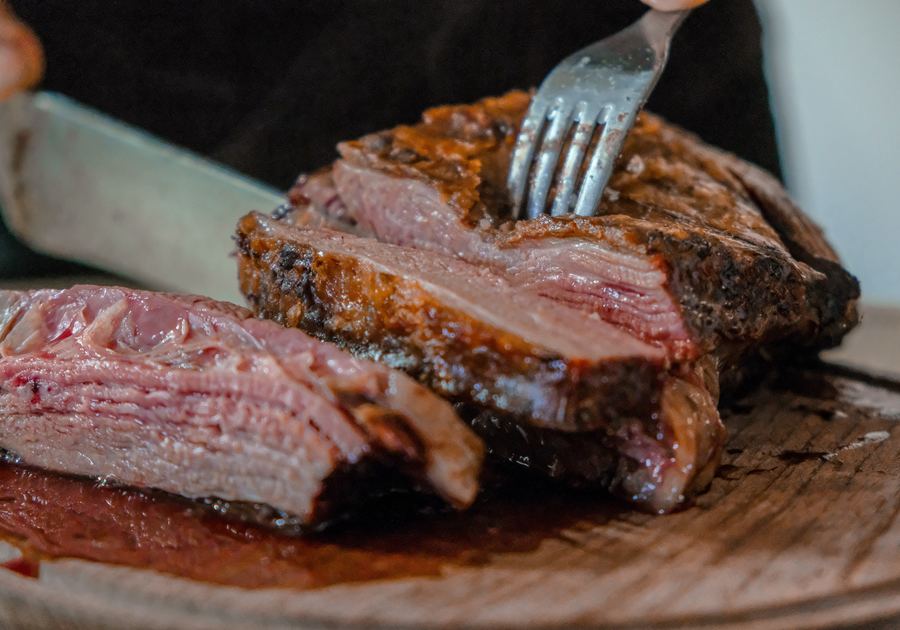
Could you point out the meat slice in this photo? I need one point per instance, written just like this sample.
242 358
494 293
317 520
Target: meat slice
197 398
693 249
701 257
469 329
526 370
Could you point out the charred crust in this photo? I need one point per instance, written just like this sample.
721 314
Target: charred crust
746 265
753 278
287 258
392 320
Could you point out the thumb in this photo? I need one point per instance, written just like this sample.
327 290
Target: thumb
21 56
673 5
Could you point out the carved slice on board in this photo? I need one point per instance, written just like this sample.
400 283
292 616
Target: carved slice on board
799 529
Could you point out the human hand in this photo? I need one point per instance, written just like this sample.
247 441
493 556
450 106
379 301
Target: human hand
674 5
21 56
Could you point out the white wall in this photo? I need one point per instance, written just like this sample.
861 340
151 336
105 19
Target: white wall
834 72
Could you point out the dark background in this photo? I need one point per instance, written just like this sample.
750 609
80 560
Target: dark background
270 86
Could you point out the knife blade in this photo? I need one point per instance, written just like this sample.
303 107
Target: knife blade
81 186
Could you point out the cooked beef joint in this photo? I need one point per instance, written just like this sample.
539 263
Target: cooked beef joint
539 380
469 329
197 398
693 248
604 336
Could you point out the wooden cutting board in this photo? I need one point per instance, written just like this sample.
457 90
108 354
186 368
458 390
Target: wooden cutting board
799 529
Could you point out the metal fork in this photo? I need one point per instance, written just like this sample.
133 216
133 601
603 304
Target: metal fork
605 85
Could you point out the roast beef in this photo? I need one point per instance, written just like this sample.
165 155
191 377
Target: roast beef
547 385
685 250
468 327
197 398
697 255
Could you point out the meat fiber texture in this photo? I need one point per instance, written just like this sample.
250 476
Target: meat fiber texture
197 398
591 349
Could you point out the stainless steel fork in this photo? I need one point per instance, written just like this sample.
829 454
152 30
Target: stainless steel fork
603 85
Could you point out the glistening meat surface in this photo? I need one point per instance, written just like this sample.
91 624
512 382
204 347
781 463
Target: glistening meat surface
470 329
197 398
544 383
701 257
692 249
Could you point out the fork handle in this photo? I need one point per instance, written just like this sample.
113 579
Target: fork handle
659 26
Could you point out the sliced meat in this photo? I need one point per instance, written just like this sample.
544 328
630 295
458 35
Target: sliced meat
693 249
615 278
313 201
197 398
697 255
511 359
469 329
656 465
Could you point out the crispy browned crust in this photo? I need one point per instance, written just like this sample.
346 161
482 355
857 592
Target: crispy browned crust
732 294
398 322
751 274
834 296
463 150
746 265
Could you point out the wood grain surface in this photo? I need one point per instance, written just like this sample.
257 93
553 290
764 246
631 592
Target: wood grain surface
799 529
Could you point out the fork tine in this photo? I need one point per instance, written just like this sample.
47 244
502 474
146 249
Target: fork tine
529 134
548 157
620 71
600 168
586 118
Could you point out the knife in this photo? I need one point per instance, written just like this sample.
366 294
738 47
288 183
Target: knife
79 185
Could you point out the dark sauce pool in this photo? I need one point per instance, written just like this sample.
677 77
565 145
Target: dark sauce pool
49 516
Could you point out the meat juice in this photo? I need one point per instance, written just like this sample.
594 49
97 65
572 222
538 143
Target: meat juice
49 516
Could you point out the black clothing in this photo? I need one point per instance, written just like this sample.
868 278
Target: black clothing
270 87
